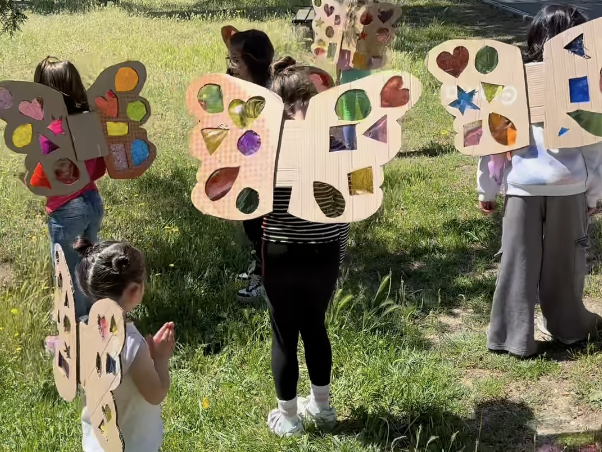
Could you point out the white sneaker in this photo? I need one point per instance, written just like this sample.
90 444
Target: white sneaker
249 273
253 291
280 425
308 409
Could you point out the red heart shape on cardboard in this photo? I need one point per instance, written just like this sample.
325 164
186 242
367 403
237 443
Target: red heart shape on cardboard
328 10
394 94
454 64
108 105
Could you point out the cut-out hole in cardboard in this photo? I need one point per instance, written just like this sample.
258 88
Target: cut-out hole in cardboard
328 9
353 105
60 277
502 129
378 130
329 199
454 64
120 160
98 365
576 47
66 304
383 35
562 131
486 60
384 15
108 104
126 80
117 129
66 172
244 113
393 94
317 3
103 327
46 145
213 138
113 327
473 132
38 178
464 101
247 201
33 109
590 121
332 50
136 110
22 135
103 428
140 152
67 351
249 143
63 364
337 20
220 183
491 90
578 90
366 18
106 412
361 182
66 324
6 99
211 99
110 365
329 32
56 127
349 138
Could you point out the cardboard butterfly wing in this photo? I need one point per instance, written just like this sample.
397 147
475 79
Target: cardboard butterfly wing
334 185
89 355
115 99
484 89
328 26
236 140
37 125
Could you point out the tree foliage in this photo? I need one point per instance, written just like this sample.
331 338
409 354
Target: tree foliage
11 16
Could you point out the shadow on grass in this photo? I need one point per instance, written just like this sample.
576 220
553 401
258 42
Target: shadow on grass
432 149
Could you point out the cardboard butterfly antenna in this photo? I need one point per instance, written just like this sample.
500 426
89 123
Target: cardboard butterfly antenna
39 126
90 355
484 89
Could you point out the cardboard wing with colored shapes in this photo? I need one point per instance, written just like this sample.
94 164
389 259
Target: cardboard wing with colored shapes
328 26
90 355
57 144
246 149
484 89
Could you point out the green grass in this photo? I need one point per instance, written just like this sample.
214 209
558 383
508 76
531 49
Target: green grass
401 381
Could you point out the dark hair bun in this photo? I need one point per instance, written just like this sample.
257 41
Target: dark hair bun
282 64
120 263
83 246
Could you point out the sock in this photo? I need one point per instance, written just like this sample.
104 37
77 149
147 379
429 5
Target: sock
320 395
288 407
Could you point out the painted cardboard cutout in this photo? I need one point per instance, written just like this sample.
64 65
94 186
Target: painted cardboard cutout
246 148
89 355
39 126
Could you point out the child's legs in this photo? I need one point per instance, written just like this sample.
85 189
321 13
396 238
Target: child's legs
96 213
253 231
349 136
564 267
512 312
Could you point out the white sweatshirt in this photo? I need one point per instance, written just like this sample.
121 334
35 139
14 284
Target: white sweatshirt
537 171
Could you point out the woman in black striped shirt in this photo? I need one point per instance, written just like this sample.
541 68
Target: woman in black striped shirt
300 271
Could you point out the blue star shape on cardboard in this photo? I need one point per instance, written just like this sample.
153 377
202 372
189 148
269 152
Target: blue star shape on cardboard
464 100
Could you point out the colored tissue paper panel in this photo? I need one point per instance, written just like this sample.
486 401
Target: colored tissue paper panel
492 90
46 145
590 121
353 105
249 143
454 64
214 137
329 32
332 50
243 114
473 133
247 201
578 90
464 100
366 18
343 138
111 365
66 171
576 47
361 182
23 135
32 109
562 131
109 104
136 110
502 129
120 160
6 99
126 79
56 127
220 183
117 129
140 152
330 201
38 178
211 99
383 35
384 15
393 94
486 60
378 130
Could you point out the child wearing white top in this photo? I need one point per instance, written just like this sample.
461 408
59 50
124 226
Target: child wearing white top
116 270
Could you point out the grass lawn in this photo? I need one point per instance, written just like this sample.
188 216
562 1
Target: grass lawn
408 326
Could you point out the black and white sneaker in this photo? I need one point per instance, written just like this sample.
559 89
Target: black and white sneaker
253 291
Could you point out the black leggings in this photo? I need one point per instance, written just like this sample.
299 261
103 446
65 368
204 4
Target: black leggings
299 280
253 230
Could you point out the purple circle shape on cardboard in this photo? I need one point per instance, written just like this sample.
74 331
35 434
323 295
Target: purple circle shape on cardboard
249 143
6 99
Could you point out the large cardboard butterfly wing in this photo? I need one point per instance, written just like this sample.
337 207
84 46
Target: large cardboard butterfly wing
115 98
236 140
328 26
37 125
338 185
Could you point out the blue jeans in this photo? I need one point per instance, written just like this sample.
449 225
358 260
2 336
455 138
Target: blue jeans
80 217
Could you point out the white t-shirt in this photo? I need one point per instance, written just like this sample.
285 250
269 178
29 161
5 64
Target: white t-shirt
139 421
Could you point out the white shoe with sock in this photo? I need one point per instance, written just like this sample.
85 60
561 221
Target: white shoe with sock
317 407
284 420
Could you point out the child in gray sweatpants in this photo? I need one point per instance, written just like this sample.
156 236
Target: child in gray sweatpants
549 196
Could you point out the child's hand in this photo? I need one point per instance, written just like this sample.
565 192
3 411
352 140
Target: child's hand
487 206
161 346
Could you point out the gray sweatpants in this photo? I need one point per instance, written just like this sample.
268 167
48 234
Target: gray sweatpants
544 245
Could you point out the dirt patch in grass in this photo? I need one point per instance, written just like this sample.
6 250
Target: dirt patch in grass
7 276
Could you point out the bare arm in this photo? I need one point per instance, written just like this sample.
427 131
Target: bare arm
151 377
